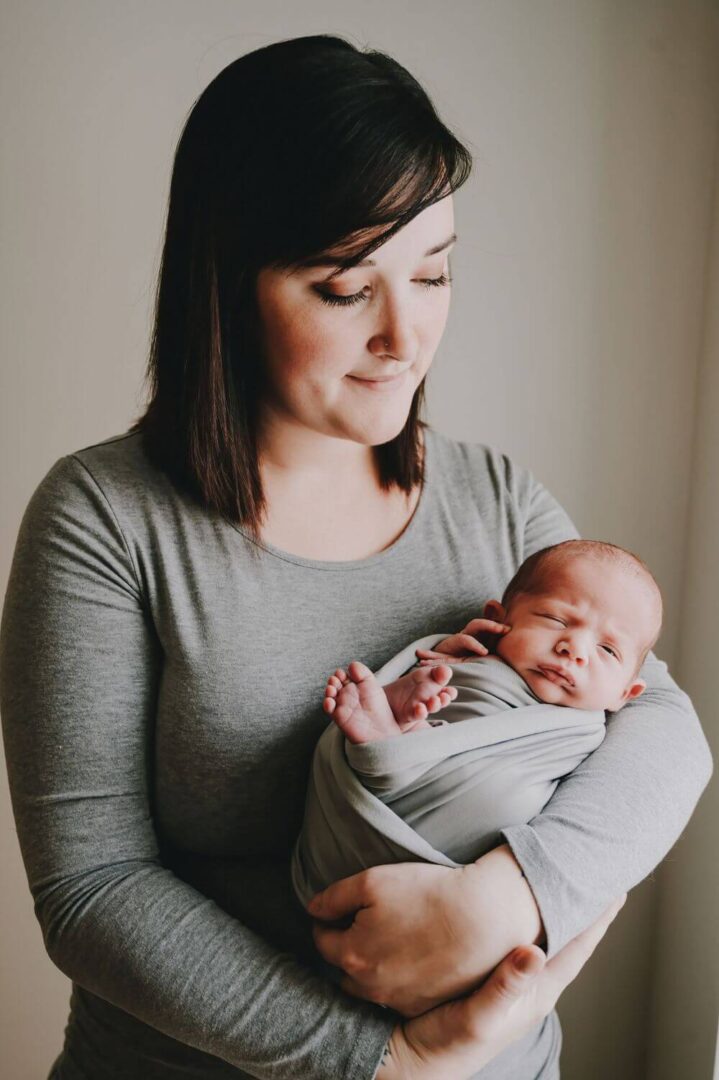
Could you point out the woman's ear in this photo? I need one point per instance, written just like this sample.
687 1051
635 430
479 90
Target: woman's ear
494 610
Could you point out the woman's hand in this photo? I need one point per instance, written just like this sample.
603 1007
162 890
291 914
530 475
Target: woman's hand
455 1040
423 934
465 645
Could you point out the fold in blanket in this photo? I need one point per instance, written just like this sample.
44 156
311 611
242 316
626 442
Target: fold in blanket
440 794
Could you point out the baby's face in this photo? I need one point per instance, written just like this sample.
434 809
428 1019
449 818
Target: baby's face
578 642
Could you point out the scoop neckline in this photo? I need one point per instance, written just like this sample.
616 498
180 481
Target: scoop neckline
371 560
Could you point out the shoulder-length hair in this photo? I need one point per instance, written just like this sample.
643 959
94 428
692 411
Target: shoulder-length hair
296 148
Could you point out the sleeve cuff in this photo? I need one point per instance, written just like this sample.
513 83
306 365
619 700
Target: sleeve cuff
366 1056
543 879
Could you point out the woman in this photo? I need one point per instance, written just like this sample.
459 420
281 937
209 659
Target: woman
179 593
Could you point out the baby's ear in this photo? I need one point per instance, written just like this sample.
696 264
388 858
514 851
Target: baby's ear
638 687
494 610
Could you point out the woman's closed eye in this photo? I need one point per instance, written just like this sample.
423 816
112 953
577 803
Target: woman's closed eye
355 298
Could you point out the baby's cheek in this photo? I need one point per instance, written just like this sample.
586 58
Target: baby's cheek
514 646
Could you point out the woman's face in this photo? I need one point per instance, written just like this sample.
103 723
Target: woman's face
344 358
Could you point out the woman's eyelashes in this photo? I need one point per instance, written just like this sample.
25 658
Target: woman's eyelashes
355 298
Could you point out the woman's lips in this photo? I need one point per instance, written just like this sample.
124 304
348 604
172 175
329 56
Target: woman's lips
379 384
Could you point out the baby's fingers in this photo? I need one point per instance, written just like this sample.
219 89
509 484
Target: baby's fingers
430 654
466 641
486 626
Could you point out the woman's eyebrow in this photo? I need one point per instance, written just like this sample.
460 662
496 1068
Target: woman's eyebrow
328 260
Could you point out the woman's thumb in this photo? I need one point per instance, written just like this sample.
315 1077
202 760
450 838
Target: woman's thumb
509 980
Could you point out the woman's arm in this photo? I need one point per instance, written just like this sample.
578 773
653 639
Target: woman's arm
422 934
606 826
613 819
80 671
461 1037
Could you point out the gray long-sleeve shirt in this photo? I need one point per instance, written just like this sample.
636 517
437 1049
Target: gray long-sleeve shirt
160 694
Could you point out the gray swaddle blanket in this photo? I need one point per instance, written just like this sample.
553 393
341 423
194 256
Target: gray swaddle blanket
440 794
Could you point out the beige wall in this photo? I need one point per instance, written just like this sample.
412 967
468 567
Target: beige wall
687 925
583 341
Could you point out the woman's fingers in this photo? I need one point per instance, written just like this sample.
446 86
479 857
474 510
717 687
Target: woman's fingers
509 980
336 946
330 943
525 986
460 1037
344 897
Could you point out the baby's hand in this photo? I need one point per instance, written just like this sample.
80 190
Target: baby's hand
463 646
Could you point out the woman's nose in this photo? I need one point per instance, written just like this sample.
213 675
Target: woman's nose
396 335
574 648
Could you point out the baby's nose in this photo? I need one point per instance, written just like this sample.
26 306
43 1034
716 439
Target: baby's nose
575 649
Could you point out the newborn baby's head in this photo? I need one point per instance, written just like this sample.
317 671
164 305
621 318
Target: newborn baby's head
584 615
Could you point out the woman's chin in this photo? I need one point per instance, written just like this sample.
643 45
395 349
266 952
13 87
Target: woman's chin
378 431
362 434
379 437
380 417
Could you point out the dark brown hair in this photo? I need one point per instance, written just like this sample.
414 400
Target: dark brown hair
294 149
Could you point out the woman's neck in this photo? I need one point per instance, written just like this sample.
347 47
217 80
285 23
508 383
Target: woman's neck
295 448
293 454
324 500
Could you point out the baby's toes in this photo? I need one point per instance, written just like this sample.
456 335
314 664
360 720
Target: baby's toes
328 704
358 671
419 711
441 674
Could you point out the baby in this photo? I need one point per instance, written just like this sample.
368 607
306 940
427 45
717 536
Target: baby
575 623
568 638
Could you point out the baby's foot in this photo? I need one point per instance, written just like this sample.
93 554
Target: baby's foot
358 705
421 691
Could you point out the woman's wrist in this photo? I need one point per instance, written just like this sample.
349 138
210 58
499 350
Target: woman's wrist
504 906
390 1067
444 1042
420 1057
500 877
